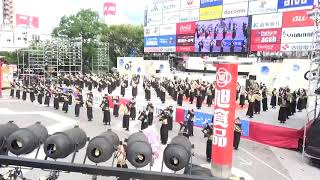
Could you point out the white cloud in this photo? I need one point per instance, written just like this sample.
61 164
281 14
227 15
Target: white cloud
50 11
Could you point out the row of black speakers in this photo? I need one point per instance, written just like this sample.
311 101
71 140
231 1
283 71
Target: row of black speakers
22 141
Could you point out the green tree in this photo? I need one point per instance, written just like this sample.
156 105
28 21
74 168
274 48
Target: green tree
10 57
84 24
124 40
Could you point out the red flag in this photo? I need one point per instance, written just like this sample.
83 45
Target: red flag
109 8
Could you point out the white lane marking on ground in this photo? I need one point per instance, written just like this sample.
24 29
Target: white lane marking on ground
235 171
264 163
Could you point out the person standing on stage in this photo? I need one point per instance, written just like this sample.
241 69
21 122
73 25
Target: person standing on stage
209 96
89 104
133 111
125 109
208 131
31 93
242 97
257 102
40 94
150 110
163 95
12 87
123 89
65 105
264 98
237 133
147 92
199 100
134 88
143 117
170 118
56 99
24 92
251 99
78 101
106 110
115 106
282 117
164 127
18 90
273 102
190 120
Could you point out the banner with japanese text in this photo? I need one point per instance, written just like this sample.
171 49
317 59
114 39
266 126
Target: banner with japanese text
224 114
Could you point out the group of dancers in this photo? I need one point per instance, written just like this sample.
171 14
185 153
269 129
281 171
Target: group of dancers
289 101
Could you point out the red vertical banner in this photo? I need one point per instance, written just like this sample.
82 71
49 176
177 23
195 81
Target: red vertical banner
224 114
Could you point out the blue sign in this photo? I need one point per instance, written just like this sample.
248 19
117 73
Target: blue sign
245 126
165 41
297 4
151 41
208 3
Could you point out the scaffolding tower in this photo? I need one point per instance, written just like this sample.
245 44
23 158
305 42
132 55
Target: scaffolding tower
101 61
47 60
314 80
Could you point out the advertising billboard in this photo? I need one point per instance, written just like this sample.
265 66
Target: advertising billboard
266 36
168 29
186 28
233 1
296 47
171 6
209 3
189 4
151 41
185 40
154 20
151 31
189 15
235 10
185 49
262 6
169 18
27 21
165 41
223 35
290 5
155 9
266 39
297 35
297 19
208 13
267 21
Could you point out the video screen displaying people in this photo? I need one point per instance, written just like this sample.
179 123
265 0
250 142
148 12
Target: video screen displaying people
222 35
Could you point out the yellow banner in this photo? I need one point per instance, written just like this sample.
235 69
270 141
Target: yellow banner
209 13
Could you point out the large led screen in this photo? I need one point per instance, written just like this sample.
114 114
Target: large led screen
222 35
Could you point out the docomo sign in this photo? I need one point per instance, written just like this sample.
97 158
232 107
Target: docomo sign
235 10
186 28
224 114
297 19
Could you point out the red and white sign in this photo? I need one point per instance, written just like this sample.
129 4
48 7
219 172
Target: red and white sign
287 47
185 49
190 4
265 47
186 28
160 49
224 114
185 40
297 19
109 8
266 36
27 21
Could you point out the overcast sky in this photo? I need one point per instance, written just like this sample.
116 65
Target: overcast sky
50 11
